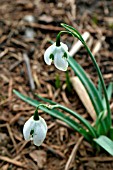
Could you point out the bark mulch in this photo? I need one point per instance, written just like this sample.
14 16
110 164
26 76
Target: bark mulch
26 28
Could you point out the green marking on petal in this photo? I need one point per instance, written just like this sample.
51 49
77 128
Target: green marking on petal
32 132
65 55
51 56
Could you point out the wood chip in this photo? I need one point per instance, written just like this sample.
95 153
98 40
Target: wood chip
84 97
40 157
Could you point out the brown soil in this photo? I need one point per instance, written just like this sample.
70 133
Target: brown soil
94 16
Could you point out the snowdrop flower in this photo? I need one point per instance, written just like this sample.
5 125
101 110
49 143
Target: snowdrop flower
58 54
35 130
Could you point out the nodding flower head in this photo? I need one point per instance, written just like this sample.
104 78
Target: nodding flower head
35 130
58 54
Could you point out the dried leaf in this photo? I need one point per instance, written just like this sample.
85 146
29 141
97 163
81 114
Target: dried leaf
40 157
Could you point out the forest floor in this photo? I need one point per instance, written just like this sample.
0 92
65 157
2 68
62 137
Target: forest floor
26 28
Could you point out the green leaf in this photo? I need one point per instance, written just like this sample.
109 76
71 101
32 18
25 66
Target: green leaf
88 84
100 89
57 81
45 100
75 114
105 143
111 133
91 90
107 122
55 113
100 118
73 31
68 82
109 94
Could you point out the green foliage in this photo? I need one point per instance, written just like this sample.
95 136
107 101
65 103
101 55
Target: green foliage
68 82
57 81
106 124
109 94
105 143
59 115
95 19
99 97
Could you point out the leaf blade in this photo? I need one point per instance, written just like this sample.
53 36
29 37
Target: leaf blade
105 143
56 114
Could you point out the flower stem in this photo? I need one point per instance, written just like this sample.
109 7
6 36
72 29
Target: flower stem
36 115
82 120
58 39
103 85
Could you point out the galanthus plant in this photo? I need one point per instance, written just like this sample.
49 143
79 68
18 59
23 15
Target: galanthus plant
101 132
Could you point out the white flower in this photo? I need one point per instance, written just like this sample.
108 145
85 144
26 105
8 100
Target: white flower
58 54
35 130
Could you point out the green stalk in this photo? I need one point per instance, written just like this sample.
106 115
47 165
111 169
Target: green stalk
55 113
76 34
80 118
36 115
108 119
58 37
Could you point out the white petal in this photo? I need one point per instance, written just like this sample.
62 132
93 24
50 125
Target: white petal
47 54
28 126
64 46
39 132
60 62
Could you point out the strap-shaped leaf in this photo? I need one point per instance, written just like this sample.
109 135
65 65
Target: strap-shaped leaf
88 84
107 121
100 89
105 143
59 115
91 89
109 94
73 113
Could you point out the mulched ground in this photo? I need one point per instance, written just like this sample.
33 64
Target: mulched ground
20 38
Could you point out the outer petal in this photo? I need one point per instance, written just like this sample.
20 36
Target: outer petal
39 132
47 54
59 61
64 46
28 126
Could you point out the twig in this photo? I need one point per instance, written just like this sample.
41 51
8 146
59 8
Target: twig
41 26
31 81
11 136
3 53
54 151
73 153
10 89
13 66
97 159
13 161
